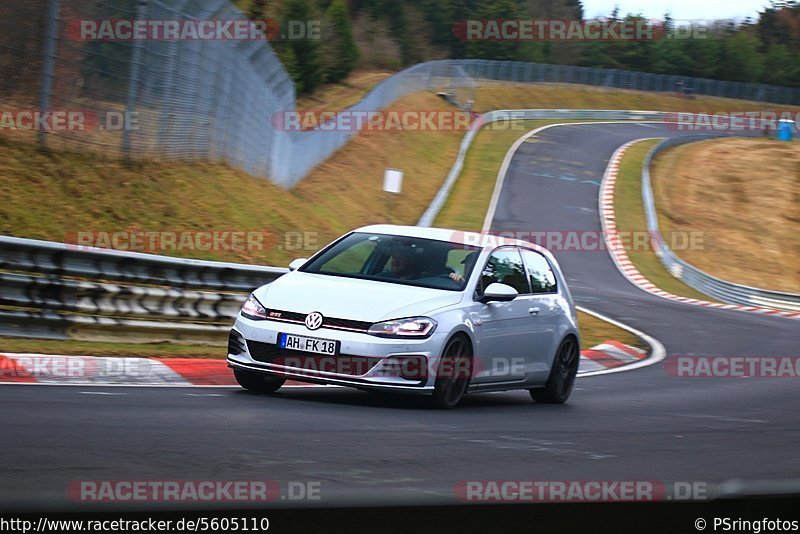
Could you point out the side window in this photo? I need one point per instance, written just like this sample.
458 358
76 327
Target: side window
505 266
541 277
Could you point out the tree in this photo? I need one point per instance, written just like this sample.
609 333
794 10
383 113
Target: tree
257 10
779 65
305 52
576 9
495 49
740 60
342 52
668 57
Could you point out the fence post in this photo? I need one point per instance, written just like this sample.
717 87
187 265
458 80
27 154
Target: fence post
133 79
48 69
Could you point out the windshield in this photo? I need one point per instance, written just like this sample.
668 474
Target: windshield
403 260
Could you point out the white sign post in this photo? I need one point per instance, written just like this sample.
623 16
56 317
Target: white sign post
393 181
393 185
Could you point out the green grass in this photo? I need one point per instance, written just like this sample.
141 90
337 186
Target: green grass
630 216
469 199
595 331
465 208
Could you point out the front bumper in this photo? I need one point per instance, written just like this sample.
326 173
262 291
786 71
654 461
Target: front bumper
385 353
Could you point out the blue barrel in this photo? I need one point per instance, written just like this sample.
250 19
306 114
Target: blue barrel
785 130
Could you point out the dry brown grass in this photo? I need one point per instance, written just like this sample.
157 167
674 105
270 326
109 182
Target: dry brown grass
744 195
53 196
339 96
495 95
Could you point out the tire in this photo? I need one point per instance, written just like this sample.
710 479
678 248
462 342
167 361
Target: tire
453 374
258 382
562 376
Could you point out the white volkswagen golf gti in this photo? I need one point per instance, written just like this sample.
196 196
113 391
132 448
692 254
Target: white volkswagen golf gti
417 310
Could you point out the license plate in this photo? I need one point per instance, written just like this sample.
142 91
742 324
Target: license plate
308 344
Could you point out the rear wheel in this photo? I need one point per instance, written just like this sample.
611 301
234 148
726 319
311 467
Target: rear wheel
453 374
258 382
562 376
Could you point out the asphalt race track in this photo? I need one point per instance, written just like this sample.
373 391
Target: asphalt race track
364 448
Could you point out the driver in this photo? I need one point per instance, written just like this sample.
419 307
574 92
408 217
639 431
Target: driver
402 265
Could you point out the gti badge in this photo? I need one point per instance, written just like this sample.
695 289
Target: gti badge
314 320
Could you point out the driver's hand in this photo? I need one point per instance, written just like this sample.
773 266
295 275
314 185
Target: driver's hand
455 277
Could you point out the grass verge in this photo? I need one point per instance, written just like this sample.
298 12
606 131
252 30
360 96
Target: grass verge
469 199
751 235
595 331
57 195
630 216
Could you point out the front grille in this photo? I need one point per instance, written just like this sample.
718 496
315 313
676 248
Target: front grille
346 323
345 364
280 315
328 322
235 343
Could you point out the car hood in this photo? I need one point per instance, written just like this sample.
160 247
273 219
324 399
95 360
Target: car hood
349 298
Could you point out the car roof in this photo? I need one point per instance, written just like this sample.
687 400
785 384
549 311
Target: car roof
483 240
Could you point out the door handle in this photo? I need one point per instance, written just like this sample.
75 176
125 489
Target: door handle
533 311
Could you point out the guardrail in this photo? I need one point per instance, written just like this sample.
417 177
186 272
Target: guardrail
53 290
727 292
439 200
60 291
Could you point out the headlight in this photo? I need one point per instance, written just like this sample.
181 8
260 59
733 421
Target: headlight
413 327
252 309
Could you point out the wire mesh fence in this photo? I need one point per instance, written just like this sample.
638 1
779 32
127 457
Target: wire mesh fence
218 99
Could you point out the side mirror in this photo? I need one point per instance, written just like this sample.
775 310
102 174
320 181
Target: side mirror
296 264
497 292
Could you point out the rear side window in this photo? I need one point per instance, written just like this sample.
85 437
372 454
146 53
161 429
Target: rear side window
505 266
540 274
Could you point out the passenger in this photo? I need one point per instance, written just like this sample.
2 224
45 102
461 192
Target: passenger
468 261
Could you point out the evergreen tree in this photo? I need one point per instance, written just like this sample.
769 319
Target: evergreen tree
304 52
341 48
257 10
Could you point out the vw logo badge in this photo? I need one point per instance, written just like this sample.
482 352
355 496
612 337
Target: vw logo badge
314 320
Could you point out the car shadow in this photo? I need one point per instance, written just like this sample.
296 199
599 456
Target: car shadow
383 400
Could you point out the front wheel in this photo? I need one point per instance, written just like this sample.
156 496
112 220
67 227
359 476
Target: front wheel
562 376
258 382
453 374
